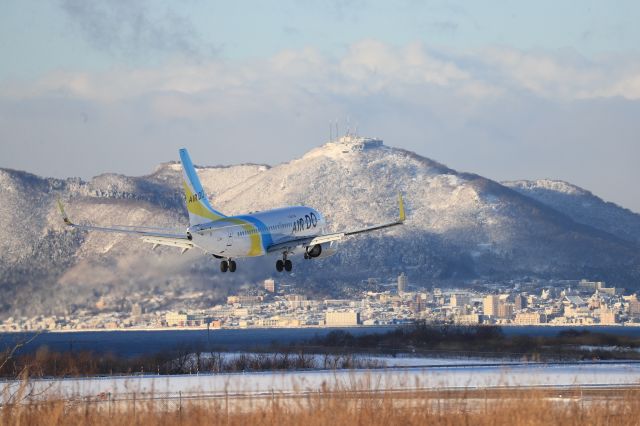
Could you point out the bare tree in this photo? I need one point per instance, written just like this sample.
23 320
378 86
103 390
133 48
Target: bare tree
22 390
9 353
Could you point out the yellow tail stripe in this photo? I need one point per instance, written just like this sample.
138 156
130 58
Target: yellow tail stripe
195 206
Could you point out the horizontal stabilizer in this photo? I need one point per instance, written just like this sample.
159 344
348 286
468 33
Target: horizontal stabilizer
165 241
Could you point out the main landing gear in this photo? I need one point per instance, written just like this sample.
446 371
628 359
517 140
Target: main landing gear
284 264
228 265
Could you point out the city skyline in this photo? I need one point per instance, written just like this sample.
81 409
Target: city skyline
552 303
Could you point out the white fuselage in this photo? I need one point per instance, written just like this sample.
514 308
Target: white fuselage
250 235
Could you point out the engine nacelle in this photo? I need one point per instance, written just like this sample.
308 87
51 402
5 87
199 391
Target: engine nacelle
320 251
314 251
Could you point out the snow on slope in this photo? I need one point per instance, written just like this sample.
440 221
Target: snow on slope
582 206
459 226
22 201
46 267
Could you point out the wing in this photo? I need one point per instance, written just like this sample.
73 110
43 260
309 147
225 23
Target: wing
155 236
337 236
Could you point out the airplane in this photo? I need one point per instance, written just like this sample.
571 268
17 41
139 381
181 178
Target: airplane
285 231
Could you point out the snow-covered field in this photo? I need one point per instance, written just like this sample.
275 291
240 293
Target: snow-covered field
455 376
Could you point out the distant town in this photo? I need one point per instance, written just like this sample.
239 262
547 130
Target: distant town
566 302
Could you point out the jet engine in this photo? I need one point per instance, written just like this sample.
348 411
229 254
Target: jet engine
320 251
314 251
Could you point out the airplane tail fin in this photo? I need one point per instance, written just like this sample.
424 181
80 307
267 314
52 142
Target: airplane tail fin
200 210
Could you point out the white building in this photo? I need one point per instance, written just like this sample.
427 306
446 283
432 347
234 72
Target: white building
402 283
176 319
490 305
342 318
469 319
270 285
607 317
459 300
529 318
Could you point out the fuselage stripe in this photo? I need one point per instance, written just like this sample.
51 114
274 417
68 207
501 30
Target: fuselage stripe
263 230
253 235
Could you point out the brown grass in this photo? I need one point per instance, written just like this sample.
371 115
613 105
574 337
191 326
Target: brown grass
45 363
349 407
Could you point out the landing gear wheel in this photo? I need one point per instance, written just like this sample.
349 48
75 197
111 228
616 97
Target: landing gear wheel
279 265
306 255
224 266
232 266
288 266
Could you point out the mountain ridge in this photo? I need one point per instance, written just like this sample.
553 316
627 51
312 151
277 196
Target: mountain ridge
460 227
582 206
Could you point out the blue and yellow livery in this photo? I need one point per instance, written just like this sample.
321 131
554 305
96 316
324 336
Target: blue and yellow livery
282 232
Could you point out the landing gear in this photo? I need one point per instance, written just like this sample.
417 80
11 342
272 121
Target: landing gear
229 265
284 264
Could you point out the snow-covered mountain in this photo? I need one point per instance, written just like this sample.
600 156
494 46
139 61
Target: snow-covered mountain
460 226
582 206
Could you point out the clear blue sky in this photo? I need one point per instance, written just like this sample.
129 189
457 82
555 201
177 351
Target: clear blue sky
506 89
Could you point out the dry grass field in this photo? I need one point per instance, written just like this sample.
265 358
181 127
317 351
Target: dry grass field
362 402
349 407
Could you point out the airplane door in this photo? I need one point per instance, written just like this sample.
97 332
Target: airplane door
230 239
221 241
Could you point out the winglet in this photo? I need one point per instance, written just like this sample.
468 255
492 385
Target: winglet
401 205
65 218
